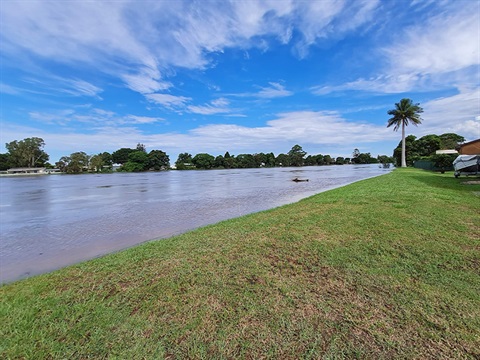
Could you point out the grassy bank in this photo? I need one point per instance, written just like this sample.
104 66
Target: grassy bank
384 268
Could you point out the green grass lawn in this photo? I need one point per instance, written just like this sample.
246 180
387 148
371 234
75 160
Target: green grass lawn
383 268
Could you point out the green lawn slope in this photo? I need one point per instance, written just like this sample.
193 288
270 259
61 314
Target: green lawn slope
383 268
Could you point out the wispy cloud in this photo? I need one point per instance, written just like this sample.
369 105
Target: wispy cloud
7 89
217 106
95 117
168 100
458 114
122 40
275 90
436 53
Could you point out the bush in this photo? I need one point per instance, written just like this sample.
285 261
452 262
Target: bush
443 162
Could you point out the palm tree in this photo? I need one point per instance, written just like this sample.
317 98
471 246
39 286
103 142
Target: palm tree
405 111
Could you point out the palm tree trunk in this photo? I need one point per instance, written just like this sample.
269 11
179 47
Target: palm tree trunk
404 161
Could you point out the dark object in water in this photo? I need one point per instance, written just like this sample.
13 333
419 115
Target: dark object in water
299 180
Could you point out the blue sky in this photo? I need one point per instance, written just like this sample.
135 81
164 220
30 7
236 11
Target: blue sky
237 76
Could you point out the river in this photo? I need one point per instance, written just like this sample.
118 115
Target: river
51 221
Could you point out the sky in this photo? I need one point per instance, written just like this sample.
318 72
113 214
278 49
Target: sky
238 76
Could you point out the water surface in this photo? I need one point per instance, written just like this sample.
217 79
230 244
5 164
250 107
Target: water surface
51 221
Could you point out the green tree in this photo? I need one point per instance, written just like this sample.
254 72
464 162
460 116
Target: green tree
405 112
340 160
230 162
355 154
219 162
137 161
282 160
121 155
327 159
76 163
385 160
141 147
158 160
411 153
96 163
427 145
184 161
203 161
450 141
27 152
5 162
245 161
297 155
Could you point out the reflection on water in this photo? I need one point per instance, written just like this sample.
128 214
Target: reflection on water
47 222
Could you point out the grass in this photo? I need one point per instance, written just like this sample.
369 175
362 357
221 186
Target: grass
384 268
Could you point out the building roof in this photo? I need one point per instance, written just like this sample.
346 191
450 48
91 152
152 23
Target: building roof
470 142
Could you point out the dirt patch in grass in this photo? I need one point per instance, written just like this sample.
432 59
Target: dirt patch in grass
471 182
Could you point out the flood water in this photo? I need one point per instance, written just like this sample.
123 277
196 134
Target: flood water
51 221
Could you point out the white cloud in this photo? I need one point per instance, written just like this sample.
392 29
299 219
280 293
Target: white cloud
168 100
95 117
145 83
7 89
275 90
447 42
455 114
134 40
438 53
217 106
133 119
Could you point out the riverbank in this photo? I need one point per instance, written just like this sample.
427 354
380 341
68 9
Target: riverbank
383 268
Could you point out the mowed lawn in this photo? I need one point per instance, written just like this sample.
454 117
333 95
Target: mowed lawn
385 268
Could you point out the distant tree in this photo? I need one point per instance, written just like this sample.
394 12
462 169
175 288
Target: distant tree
270 161
101 162
141 147
365 158
384 159
405 112
260 159
219 162
282 160
296 155
184 161
121 155
137 161
5 162
203 161
158 160
245 161
107 159
230 162
76 163
96 163
27 152
340 160
355 154
327 159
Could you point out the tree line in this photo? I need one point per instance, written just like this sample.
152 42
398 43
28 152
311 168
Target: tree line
29 153
425 148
